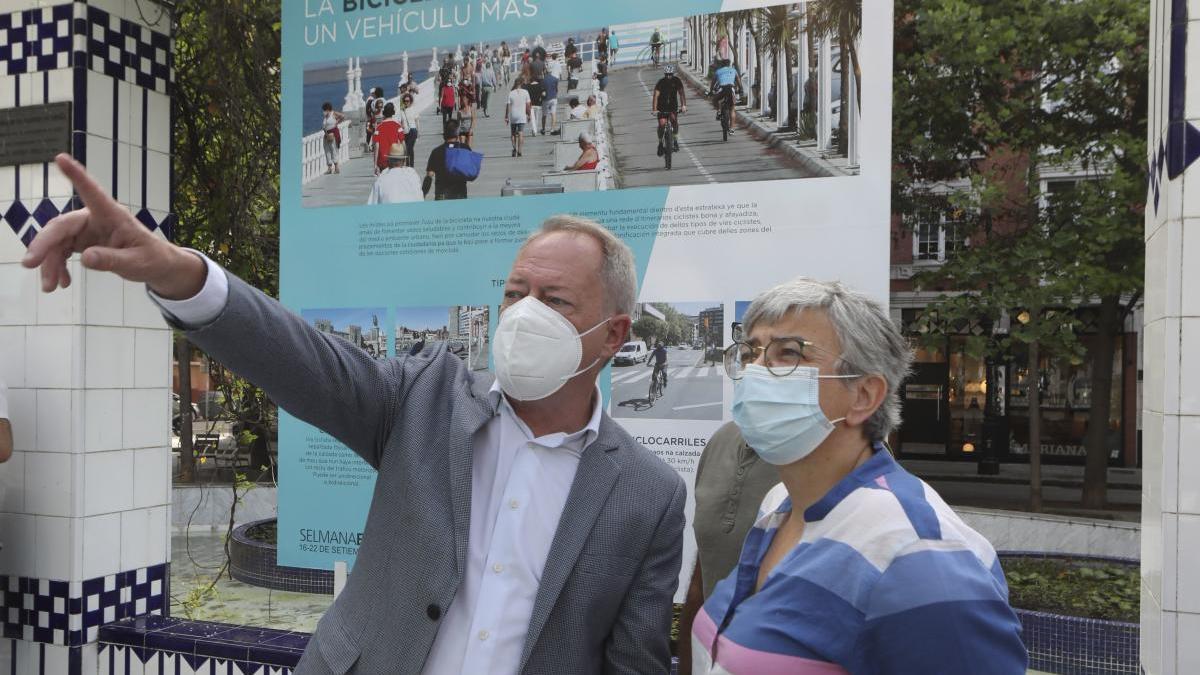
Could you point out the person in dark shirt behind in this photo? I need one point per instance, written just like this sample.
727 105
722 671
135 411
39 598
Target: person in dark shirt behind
447 185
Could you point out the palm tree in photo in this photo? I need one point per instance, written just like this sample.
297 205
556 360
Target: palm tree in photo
841 20
777 33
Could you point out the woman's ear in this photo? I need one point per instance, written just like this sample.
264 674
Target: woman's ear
869 393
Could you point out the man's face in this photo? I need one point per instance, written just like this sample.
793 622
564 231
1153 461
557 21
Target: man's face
563 271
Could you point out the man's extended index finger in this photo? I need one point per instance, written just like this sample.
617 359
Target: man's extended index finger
93 196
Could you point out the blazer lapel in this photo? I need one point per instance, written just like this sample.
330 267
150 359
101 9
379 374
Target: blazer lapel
594 480
469 416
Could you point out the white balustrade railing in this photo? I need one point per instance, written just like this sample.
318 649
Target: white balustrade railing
313 156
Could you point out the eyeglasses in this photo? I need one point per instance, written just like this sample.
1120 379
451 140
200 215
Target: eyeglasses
783 356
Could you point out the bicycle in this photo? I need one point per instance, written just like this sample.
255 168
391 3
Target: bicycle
725 114
657 383
666 135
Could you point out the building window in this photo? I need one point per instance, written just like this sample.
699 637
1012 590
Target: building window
939 234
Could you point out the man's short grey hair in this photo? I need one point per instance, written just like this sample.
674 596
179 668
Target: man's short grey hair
871 343
585 137
618 271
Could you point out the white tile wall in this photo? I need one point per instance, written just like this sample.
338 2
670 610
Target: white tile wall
12 356
1169 597
158 132
106 482
146 418
1189 371
55 547
104 298
12 486
152 358
158 184
31 183
101 545
55 420
11 248
99 155
111 362
48 483
48 353
140 312
151 477
102 419
1189 649
99 106
144 537
18 291
124 91
22 406
1189 467
1189 554
18 533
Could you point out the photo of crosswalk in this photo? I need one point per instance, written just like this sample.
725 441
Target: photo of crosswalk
693 390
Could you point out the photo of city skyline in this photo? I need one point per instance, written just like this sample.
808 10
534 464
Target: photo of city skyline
360 327
464 329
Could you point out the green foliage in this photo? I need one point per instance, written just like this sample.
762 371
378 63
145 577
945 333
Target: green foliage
226 108
1075 588
675 329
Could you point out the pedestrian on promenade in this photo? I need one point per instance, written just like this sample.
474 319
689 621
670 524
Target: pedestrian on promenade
537 64
886 569
516 528
589 157
332 140
6 435
594 111
447 97
389 132
411 121
602 43
537 96
505 62
602 72
516 115
445 184
398 182
369 116
613 45
578 110
555 66
487 85
466 104
550 103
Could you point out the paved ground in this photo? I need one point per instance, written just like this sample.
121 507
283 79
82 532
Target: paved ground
353 185
703 156
693 389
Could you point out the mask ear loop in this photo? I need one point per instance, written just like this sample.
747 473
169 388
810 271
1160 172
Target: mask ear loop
594 362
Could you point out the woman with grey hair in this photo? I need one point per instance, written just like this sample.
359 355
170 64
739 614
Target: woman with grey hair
589 157
855 565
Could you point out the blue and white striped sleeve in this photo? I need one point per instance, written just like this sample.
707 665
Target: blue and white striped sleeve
938 609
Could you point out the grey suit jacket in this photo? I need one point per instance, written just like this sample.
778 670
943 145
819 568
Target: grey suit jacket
604 601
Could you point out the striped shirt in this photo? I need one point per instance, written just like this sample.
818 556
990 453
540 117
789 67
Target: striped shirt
885 579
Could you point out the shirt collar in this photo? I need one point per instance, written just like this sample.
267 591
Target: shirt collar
880 463
587 434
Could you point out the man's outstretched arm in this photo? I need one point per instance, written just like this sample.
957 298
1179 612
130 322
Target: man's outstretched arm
319 378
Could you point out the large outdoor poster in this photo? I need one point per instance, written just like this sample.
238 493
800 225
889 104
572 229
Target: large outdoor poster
769 159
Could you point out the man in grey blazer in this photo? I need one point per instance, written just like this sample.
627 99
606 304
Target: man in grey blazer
515 528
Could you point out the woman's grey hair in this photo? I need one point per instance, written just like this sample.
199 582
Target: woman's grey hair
618 271
871 343
585 138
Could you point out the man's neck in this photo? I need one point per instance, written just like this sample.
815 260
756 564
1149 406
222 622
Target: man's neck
811 478
566 411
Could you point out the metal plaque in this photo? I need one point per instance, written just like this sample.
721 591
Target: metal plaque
34 134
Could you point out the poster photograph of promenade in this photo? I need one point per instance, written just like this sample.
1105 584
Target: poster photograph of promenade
769 93
463 328
359 327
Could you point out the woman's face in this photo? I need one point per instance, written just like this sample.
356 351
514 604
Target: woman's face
814 327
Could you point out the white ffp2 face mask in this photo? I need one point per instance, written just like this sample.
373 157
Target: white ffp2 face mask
536 350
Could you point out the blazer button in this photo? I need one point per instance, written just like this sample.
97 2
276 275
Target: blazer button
434 612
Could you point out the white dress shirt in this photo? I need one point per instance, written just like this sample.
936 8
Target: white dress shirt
519 487
395 186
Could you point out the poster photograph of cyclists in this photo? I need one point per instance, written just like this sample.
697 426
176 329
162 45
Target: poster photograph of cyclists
767 93
463 329
671 366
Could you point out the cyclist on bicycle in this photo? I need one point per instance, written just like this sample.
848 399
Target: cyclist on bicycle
669 100
724 80
656 43
658 359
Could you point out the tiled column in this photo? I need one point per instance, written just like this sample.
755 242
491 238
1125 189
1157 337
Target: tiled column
84 501
1171 383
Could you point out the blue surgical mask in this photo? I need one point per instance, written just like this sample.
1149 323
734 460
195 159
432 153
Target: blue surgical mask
781 417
